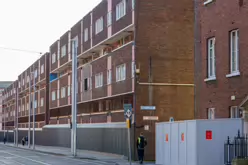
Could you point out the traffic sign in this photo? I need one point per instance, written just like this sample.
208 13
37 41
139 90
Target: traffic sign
171 119
153 108
150 117
128 111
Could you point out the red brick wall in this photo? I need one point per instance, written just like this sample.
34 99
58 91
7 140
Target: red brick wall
218 19
165 31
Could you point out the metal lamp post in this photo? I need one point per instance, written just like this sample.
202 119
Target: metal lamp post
3 106
30 106
34 111
74 101
17 116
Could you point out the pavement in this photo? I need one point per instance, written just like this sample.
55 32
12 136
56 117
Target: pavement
49 155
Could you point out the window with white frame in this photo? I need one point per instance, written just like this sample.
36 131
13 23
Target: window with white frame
27 106
211 113
109 76
211 58
42 102
69 90
53 95
98 80
23 107
86 34
63 51
234 51
109 18
23 81
35 73
42 69
99 25
235 112
121 72
63 92
120 9
53 58
133 69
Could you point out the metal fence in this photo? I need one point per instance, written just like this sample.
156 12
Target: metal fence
235 148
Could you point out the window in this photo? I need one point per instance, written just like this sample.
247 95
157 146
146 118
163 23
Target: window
53 58
87 84
23 81
42 102
109 18
27 106
27 78
133 69
121 72
53 95
74 45
235 112
23 107
109 76
99 25
133 4
42 69
234 52
120 9
211 58
98 80
69 90
211 113
207 2
63 51
35 103
35 73
86 34
63 92
58 94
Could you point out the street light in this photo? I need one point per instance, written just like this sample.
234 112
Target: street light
74 100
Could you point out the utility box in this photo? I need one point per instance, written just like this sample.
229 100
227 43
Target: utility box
194 142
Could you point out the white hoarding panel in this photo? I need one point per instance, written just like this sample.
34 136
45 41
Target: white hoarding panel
194 142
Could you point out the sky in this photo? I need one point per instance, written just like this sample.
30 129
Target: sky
34 25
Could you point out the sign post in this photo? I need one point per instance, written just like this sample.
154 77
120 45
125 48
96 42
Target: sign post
128 116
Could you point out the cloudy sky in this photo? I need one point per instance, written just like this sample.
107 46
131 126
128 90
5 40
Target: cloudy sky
34 25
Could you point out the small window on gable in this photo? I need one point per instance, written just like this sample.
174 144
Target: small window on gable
207 2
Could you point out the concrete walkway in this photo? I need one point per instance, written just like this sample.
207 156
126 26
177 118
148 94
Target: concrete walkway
81 154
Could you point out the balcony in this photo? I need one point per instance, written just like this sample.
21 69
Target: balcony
97 48
63 67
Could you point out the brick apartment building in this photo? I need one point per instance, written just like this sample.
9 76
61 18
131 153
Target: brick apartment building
40 71
221 64
115 39
9 106
3 85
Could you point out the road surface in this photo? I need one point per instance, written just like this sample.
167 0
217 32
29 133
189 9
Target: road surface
15 156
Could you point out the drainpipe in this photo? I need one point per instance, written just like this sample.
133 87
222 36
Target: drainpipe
197 54
134 94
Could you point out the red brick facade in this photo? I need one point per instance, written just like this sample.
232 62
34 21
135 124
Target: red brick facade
160 30
218 19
